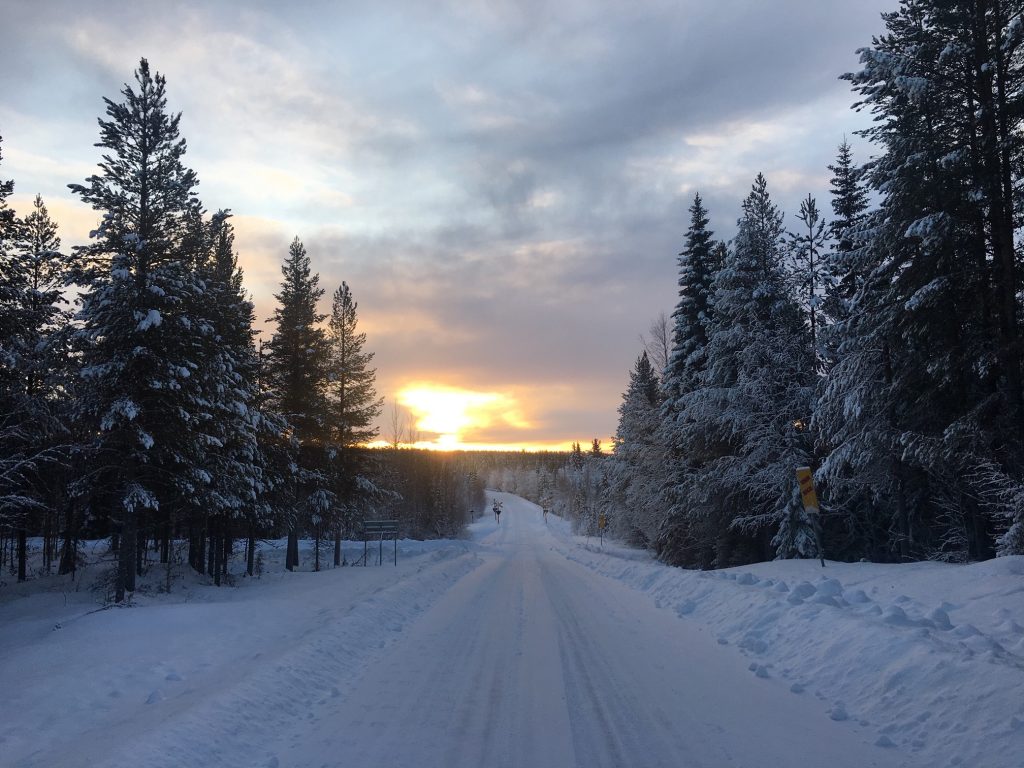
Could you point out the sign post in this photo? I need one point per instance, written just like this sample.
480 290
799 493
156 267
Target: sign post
602 522
382 527
809 496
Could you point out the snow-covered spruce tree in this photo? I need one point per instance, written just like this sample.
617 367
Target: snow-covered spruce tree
698 262
697 265
46 371
853 425
840 267
239 476
750 408
353 406
46 272
635 471
17 464
297 358
136 392
938 316
12 283
811 280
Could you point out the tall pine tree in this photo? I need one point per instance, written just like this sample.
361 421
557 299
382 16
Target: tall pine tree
297 360
137 392
353 406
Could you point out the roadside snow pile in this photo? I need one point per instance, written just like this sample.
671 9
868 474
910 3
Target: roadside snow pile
929 655
204 670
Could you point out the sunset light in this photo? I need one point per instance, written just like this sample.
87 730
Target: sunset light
445 416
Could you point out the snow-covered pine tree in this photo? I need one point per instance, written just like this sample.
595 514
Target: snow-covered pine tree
749 411
840 267
807 246
46 273
239 476
136 392
698 262
297 358
17 465
635 470
46 371
692 312
12 288
940 308
353 406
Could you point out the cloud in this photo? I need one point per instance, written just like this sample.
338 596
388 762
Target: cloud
503 183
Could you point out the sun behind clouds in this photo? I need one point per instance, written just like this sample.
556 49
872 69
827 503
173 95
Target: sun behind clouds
444 415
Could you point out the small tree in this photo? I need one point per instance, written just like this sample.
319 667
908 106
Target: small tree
806 248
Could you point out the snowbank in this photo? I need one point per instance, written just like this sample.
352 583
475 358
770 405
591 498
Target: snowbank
180 666
929 655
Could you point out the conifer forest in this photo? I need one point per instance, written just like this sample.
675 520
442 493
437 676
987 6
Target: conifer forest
873 336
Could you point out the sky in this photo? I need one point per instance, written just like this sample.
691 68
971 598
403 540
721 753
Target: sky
503 185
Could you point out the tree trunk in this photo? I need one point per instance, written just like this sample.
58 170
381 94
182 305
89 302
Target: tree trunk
250 552
292 555
211 545
22 554
46 542
69 552
165 542
125 557
216 550
228 545
140 551
337 546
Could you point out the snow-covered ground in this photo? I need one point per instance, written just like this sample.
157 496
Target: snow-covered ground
525 646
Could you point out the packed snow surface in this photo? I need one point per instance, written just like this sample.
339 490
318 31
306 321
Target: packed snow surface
526 646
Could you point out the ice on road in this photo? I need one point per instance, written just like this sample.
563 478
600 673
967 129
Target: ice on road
533 660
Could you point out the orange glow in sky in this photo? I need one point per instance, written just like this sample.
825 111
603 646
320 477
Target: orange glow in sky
447 417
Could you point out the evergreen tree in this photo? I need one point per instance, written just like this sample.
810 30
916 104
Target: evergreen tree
137 393
297 367
45 372
841 268
239 474
849 199
17 463
742 417
692 313
698 262
636 467
935 358
12 286
46 273
807 247
353 406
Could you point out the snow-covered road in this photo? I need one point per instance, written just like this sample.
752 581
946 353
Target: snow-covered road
533 660
523 647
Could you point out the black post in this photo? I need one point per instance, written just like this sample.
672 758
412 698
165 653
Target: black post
22 553
396 549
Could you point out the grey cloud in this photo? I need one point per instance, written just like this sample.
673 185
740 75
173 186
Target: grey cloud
515 173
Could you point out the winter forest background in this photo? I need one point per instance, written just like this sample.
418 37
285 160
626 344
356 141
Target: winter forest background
875 338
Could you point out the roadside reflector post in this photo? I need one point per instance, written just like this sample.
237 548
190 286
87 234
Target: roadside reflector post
809 496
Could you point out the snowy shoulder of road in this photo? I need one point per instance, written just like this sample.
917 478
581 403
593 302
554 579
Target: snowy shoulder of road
929 656
522 645
202 675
